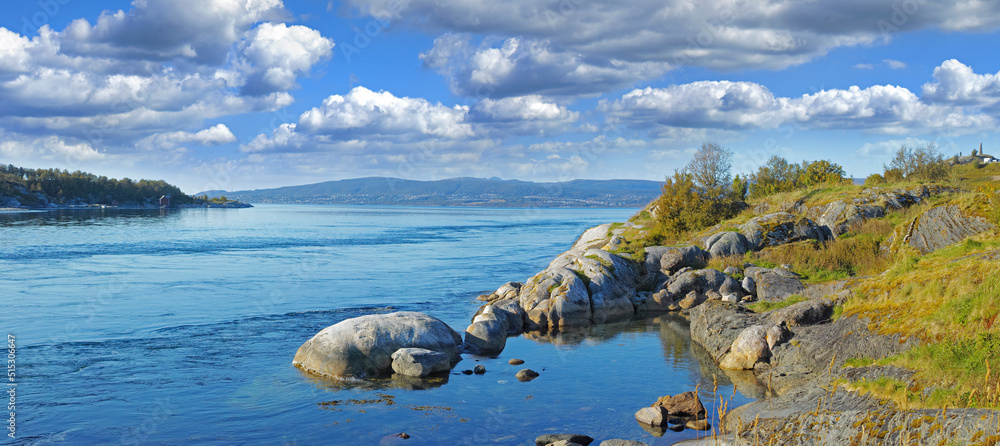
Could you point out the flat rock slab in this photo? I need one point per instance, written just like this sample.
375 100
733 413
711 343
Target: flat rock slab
548 439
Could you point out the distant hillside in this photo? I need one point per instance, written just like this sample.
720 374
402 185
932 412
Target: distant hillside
458 192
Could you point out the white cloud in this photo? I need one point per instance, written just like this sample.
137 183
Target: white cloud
744 105
216 135
365 113
864 66
957 83
894 64
531 47
518 67
153 75
884 150
279 53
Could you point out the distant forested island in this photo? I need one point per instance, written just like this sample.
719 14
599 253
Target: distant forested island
25 188
487 192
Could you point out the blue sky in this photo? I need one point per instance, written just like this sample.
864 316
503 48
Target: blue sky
237 94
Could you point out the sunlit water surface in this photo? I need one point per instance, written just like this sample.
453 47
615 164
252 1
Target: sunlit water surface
139 327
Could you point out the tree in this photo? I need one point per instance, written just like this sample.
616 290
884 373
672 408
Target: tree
710 170
775 176
821 172
925 164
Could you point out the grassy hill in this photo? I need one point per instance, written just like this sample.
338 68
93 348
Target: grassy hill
459 192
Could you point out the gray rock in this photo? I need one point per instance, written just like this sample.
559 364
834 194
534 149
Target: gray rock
749 286
716 324
612 285
749 348
730 298
555 298
653 416
651 263
803 313
774 284
778 229
725 244
689 256
548 439
595 237
732 271
526 375
620 442
937 228
363 346
419 362
479 369
486 336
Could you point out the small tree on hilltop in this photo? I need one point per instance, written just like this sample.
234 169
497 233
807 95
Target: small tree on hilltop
821 172
710 170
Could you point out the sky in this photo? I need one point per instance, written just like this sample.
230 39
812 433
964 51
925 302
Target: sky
248 94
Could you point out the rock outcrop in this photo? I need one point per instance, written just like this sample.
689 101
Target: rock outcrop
937 228
778 229
363 346
726 244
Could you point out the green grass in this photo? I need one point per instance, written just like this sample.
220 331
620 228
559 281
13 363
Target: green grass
764 307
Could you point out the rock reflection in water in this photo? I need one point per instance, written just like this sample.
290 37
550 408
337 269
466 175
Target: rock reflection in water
393 382
675 338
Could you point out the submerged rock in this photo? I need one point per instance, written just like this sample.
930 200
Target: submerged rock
526 375
548 439
363 346
653 416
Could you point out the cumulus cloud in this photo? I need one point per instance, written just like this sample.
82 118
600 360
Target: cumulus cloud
956 83
516 67
198 31
154 74
213 136
746 105
864 66
277 54
539 43
363 112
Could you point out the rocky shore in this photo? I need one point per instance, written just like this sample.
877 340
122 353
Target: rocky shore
798 354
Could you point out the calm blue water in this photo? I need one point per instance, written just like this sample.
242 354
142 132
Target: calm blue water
179 327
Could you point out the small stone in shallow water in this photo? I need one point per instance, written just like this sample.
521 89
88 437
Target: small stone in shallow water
403 435
466 372
479 369
549 439
526 375
699 425
515 361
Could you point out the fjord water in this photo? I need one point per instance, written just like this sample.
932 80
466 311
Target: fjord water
168 327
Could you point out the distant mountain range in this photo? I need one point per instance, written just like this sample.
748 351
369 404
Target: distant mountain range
458 192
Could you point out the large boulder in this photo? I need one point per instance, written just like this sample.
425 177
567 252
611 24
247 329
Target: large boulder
363 346
726 244
487 335
810 312
612 285
419 362
702 281
778 229
774 284
749 348
838 217
556 298
937 228
674 259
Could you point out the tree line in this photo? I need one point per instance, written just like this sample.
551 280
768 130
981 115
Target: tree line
63 186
